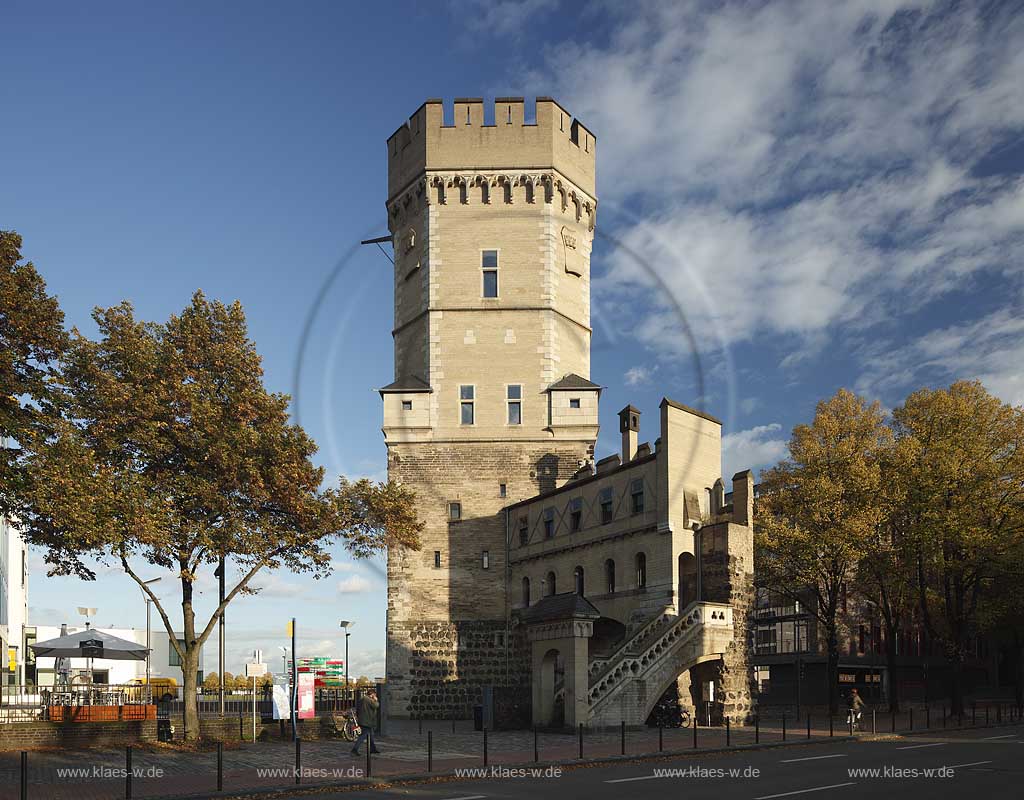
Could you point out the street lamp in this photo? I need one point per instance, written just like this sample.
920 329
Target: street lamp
346 624
284 660
146 597
88 612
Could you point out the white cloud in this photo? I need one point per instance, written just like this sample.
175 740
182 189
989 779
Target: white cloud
990 349
804 167
354 584
639 375
753 448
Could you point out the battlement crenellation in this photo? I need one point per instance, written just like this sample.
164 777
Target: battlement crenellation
426 141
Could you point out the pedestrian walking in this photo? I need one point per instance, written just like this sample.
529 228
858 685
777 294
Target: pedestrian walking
368 715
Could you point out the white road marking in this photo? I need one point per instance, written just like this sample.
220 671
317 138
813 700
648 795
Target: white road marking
916 746
811 758
469 797
972 764
1007 736
805 791
638 778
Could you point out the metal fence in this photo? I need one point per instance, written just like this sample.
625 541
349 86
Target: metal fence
325 701
29 703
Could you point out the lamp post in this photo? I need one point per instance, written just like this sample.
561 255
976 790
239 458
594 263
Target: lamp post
149 689
219 572
88 612
346 624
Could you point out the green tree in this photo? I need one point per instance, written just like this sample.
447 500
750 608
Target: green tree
32 338
965 490
211 681
175 455
818 508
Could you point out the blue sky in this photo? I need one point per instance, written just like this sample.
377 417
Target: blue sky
822 195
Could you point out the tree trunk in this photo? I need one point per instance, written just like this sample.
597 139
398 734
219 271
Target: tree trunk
890 661
189 670
833 671
956 683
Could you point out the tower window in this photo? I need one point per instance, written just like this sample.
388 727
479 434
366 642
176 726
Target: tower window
577 575
515 404
637 495
574 402
549 588
609 576
485 559
549 523
489 265
467 395
606 505
407 405
437 559
502 490
524 531
641 571
575 514
455 511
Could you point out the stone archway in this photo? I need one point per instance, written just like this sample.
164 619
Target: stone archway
552 681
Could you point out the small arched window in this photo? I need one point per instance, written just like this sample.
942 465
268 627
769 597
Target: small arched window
550 584
526 592
609 576
641 570
577 575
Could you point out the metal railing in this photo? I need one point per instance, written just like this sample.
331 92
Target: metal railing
30 703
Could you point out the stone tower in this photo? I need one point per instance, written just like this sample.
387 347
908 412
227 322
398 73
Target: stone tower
492 225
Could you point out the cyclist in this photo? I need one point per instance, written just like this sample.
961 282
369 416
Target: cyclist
854 706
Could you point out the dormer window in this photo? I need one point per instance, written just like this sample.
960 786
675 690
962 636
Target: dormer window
574 402
407 405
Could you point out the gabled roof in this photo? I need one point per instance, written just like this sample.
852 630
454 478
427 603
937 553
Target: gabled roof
573 381
560 606
406 385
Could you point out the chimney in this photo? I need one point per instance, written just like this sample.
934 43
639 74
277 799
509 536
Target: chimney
743 498
629 425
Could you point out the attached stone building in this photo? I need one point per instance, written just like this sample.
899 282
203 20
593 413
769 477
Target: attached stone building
492 420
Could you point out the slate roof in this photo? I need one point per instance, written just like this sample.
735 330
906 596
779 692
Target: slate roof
573 381
405 385
560 606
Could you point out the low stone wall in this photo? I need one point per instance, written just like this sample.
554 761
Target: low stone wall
236 728
33 735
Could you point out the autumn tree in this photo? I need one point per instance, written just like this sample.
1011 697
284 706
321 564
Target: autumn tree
818 508
32 338
885 577
176 456
965 483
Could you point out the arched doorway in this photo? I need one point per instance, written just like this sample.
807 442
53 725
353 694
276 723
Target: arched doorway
552 682
687 580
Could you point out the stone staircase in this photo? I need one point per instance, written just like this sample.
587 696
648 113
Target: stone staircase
625 685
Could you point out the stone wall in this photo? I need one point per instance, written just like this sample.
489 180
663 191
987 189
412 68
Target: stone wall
727 576
33 735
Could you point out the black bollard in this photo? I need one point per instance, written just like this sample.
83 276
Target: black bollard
830 732
783 726
430 751
757 729
622 729
128 772
694 731
220 766
728 737
661 740
298 758
581 741
928 717
536 749
892 718
453 724
24 775
485 745
808 724
986 715
421 723
369 764
911 718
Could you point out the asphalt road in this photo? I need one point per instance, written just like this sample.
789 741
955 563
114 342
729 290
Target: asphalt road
963 765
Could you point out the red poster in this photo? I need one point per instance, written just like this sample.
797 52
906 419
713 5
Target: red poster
305 708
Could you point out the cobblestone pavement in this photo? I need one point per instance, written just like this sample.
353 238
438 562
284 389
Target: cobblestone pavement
163 772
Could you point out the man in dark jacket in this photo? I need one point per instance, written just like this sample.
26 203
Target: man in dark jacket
367 715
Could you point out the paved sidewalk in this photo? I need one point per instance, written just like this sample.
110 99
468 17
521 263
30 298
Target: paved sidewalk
163 772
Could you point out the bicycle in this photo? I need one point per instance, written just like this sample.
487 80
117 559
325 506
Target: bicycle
349 728
853 719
